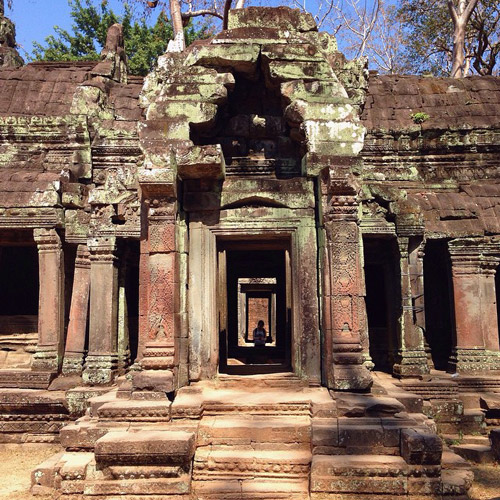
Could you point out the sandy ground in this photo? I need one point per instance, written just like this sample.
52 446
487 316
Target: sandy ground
16 464
486 482
17 461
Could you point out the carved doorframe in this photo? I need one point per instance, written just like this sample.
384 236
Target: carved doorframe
204 311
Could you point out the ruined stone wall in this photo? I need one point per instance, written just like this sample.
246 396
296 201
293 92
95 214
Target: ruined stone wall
262 133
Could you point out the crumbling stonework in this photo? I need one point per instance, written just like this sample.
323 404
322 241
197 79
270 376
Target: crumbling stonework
140 217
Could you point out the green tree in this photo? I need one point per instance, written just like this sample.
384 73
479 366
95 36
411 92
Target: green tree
430 35
143 43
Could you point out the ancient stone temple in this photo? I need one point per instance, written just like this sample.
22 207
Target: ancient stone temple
148 225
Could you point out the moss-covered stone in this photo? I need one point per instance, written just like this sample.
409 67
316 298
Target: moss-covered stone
241 58
282 18
287 70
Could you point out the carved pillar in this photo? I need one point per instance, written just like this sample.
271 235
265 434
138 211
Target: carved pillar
77 327
49 350
123 320
343 296
412 359
489 314
418 289
102 358
159 314
475 307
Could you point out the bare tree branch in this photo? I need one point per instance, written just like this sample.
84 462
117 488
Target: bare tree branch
202 12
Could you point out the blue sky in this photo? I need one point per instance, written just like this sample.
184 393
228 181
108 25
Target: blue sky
34 19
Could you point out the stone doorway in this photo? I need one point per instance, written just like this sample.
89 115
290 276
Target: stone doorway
19 285
254 284
439 313
382 300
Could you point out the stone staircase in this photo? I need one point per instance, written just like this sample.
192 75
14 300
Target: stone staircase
254 453
252 438
375 448
123 448
466 409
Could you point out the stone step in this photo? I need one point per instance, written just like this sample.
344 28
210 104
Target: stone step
235 402
452 461
207 398
257 408
455 439
490 403
412 402
456 482
358 475
436 388
145 448
84 433
259 382
30 415
371 436
477 453
175 488
43 476
135 411
366 405
244 430
251 489
361 436
238 463
96 402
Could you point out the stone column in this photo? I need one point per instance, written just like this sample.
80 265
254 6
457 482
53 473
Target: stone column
475 307
343 297
123 325
160 300
489 313
77 327
412 359
418 289
102 358
48 355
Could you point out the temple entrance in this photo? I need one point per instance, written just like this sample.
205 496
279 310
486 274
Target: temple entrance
438 289
18 305
254 286
382 300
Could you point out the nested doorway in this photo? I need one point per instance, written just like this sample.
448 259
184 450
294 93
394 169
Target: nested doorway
254 286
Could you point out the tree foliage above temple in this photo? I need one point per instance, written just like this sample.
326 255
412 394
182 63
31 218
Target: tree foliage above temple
143 43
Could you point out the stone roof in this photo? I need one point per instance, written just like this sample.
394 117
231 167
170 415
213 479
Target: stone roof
474 210
125 99
41 88
472 102
47 88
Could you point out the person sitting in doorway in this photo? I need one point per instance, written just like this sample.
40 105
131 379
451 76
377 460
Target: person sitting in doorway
259 335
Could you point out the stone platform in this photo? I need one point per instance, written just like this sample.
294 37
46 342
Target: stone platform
32 416
252 437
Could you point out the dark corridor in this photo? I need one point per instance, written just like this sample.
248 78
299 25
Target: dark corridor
256 283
